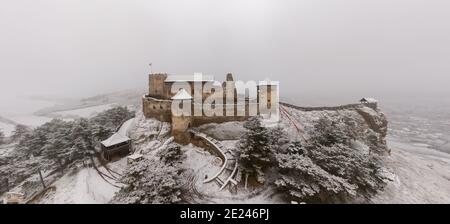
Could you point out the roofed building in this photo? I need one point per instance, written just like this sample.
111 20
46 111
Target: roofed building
370 102
116 146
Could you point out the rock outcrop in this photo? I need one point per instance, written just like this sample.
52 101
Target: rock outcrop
368 126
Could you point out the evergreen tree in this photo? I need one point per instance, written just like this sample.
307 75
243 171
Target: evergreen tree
328 132
83 144
149 182
171 155
255 151
19 132
2 137
279 140
327 168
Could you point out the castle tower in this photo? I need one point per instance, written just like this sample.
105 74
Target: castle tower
181 122
156 85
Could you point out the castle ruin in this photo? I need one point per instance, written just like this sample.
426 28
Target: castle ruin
165 91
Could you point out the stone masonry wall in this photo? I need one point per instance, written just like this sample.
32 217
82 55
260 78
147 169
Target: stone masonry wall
159 109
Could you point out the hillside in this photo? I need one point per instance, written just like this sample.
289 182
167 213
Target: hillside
417 176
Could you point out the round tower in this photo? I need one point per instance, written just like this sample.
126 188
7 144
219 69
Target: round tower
182 118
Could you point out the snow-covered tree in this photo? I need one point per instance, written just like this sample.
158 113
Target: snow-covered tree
328 132
278 139
106 123
255 151
2 137
149 182
357 167
113 118
171 155
49 136
83 142
64 143
305 181
328 168
101 132
19 132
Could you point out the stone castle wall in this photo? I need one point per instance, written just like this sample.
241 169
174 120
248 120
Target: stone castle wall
161 110
157 104
343 107
156 108
156 85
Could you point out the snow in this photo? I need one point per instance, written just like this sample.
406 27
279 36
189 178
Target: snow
422 175
85 112
369 100
202 164
126 127
135 156
224 131
148 134
199 160
115 139
30 120
121 135
6 150
182 95
7 129
84 187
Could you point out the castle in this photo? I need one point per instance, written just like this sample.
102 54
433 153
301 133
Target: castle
206 100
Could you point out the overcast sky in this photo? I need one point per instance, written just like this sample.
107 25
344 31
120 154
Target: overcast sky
73 48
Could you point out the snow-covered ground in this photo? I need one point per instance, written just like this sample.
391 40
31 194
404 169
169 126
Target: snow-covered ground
85 186
422 175
30 120
127 127
35 112
223 131
6 128
21 109
203 164
84 112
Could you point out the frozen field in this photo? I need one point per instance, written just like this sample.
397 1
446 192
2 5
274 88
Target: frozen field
422 175
85 112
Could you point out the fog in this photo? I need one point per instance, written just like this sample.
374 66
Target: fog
315 48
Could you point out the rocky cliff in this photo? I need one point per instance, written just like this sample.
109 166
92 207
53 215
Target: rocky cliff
367 126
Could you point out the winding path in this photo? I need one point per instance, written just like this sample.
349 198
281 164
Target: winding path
229 167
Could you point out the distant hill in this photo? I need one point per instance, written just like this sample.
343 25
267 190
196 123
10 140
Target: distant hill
121 98
7 121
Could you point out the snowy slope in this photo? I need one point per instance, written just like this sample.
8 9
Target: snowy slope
84 112
422 175
85 186
6 128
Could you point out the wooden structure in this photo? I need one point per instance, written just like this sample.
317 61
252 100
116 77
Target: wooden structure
13 198
115 147
134 158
